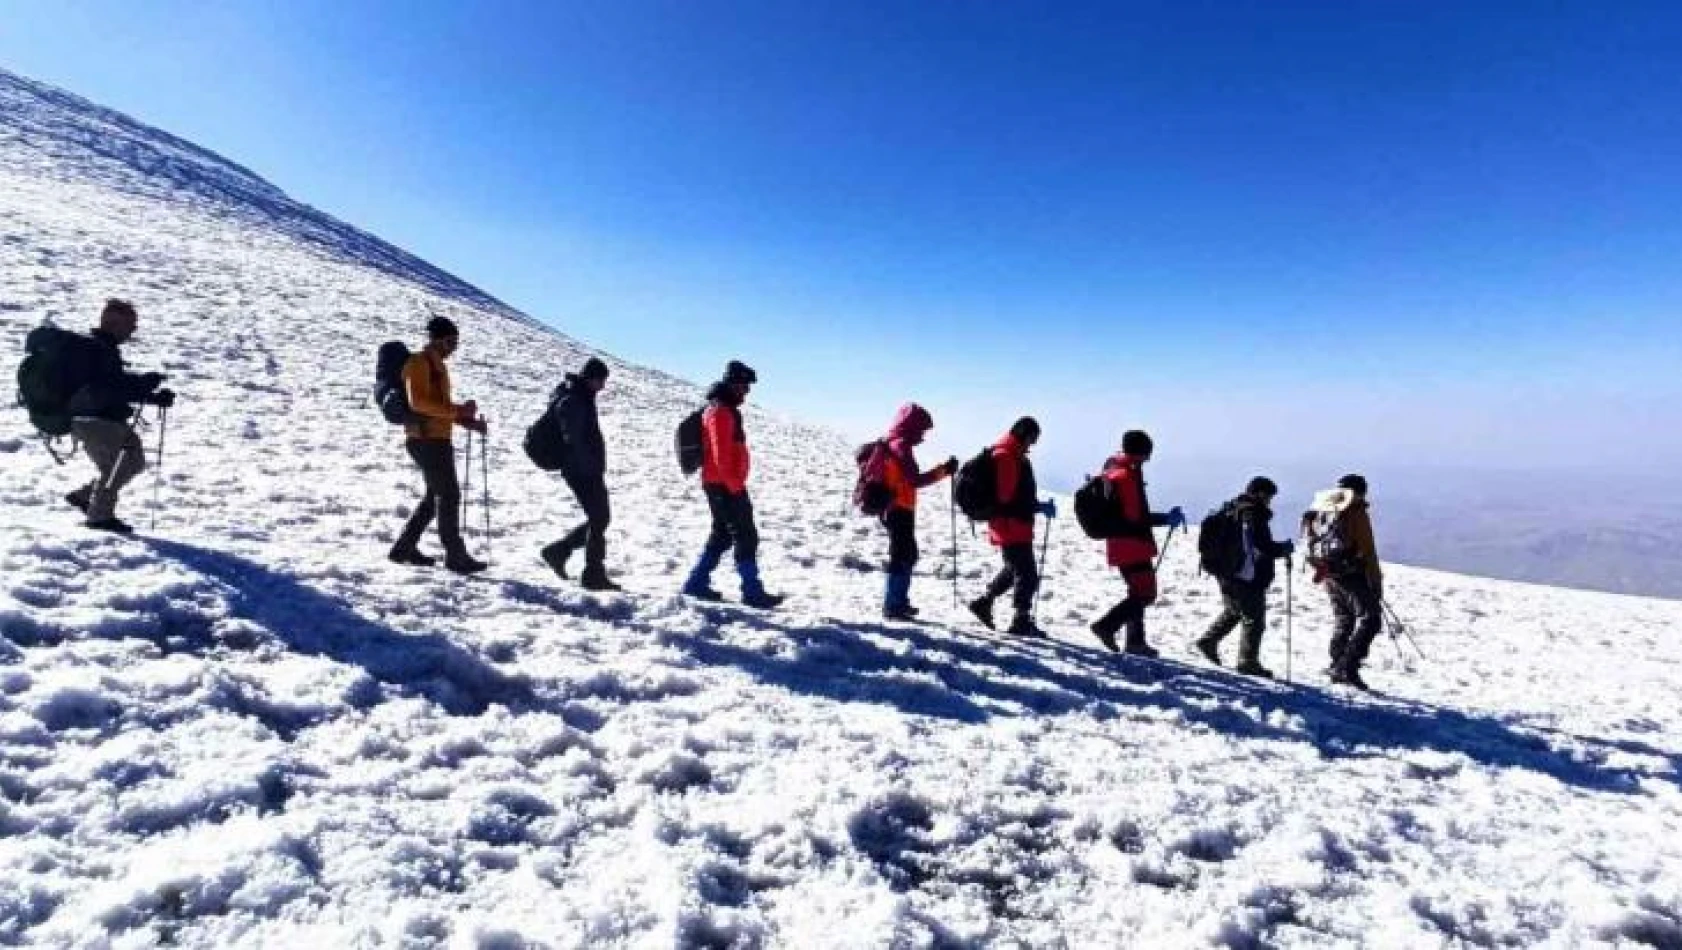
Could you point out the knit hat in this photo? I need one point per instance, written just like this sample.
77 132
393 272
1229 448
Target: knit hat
1262 487
1026 428
740 372
1137 442
593 369
1355 483
440 328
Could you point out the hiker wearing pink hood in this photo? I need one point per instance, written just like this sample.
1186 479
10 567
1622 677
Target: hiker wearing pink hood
900 476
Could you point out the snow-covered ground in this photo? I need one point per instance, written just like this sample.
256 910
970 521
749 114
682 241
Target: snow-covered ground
246 728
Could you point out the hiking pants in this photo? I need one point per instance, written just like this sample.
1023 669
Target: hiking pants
436 459
591 492
117 454
1021 572
902 540
1130 612
732 526
1245 602
1358 615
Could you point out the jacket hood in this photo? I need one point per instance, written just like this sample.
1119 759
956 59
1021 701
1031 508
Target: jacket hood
911 424
721 392
1010 443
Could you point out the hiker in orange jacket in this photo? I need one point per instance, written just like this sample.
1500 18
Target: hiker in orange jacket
1011 529
1134 551
435 416
902 479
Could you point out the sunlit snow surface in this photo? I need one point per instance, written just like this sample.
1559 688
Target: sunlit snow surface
245 727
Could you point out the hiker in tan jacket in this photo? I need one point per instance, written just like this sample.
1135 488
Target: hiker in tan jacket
1344 555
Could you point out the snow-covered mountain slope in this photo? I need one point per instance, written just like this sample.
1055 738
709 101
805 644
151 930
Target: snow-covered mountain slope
245 728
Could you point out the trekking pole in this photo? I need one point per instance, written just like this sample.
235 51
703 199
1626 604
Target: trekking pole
158 477
1045 542
463 511
1164 552
1397 626
485 486
1289 651
952 512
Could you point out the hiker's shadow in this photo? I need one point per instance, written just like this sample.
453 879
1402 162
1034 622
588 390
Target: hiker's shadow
958 676
312 622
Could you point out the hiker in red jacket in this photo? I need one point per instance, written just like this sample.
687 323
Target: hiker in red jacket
902 479
725 463
1134 551
1011 529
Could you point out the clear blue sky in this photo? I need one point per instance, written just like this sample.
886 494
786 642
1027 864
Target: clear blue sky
1326 234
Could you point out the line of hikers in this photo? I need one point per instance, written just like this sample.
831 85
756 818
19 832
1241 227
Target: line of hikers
75 385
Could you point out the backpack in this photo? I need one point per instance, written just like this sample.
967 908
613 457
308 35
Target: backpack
389 392
546 439
690 450
49 377
1220 542
1330 549
870 492
977 487
1098 510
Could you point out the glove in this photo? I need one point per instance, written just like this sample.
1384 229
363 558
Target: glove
163 398
1287 548
1176 517
475 425
950 466
1047 507
151 381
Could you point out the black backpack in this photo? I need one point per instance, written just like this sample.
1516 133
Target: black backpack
48 378
1220 542
690 450
870 492
977 487
1098 510
546 439
389 392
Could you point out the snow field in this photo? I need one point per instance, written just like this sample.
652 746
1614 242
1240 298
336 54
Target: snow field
246 728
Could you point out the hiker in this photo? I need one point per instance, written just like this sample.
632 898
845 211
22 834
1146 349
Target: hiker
1011 529
584 469
901 480
1133 551
429 431
102 393
1344 556
725 463
1239 550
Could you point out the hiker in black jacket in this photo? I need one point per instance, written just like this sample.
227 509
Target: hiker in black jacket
102 411
585 470
1244 592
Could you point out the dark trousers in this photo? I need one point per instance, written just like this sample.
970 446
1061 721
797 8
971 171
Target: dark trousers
591 492
732 525
902 540
436 459
1357 617
1020 572
1244 602
1130 612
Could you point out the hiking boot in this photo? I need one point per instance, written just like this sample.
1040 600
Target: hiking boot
1023 626
983 610
555 555
762 600
464 564
1105 635
1140 648
79 499
113 525
410 556
703 592
596 579
1252 668
1211 651
899 612
1351 678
